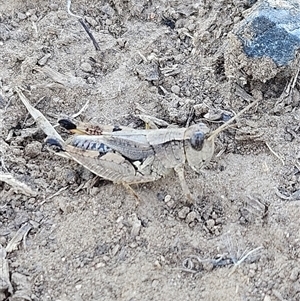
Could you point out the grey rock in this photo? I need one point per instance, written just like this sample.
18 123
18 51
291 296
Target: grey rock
272 29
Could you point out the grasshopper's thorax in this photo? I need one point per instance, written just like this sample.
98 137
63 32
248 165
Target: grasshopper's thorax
198 150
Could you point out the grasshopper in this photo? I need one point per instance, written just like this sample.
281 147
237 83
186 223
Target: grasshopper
130 156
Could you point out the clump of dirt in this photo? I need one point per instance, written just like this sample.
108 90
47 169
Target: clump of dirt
88 240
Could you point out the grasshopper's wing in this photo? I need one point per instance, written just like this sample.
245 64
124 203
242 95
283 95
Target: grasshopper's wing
130 144
165 136
111 166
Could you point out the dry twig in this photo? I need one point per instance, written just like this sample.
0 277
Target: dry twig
4 272
18 237
17 185
80 20
275 154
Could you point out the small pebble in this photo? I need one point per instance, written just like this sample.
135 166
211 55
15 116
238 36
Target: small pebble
120 219
157 264
115 250
21 284
191 217
218 221
214 215
43 61
200 109
33 149
294 274
43 243
136 227
217 231
86 67
33 18
91 21
210 223
108 22
171 204
30 12
100 265
34 224
236 19
91 80
69 175
187 93
54 6
2 240
5 88
106 258
22 16
133 245
191 27
155 283
183 212
175 89
167 198
251 273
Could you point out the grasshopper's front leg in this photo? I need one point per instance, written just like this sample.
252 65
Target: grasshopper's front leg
179 169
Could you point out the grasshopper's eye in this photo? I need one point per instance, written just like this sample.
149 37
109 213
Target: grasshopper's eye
55 144
67 124
197 140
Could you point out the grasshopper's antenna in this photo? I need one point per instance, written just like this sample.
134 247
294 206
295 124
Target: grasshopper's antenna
225 125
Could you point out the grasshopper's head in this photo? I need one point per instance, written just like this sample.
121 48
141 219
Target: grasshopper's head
198 148
199 143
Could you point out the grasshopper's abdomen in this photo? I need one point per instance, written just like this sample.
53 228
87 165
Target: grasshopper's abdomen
87 143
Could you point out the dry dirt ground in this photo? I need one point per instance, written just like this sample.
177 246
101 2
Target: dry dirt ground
88 239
